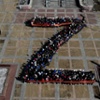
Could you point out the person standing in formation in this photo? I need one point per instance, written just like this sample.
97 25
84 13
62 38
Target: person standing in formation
0 32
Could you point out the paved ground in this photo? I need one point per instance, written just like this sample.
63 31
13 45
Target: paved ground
17 40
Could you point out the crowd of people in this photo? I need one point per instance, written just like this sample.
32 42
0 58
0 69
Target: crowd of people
60 76
58 21
42 58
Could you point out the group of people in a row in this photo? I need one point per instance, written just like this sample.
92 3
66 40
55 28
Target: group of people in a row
60 76
50 21
42 58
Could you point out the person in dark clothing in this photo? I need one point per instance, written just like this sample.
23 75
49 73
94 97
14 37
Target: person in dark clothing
0 32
